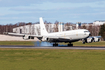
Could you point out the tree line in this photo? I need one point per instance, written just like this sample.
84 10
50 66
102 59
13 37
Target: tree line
9 27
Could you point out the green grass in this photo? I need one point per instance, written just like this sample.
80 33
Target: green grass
27 43
101 43
39 59
31 43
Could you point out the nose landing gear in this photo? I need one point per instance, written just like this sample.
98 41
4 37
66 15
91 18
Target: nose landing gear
83 41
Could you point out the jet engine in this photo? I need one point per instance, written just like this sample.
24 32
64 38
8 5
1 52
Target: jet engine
96 39
90 40
26 37
46 39
93 39
87 40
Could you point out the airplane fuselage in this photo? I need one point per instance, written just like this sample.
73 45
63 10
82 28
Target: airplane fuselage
67 36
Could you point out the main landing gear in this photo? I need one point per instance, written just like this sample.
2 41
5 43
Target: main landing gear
70 44
83 41
55 44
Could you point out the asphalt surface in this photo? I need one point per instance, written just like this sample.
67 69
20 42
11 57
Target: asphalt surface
50 47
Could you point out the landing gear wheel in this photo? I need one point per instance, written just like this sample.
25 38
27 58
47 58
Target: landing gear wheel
55 44
70 45
83 41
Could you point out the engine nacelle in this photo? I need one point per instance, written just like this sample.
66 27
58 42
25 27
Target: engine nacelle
26 37
96 39
92 39
89 40
44 39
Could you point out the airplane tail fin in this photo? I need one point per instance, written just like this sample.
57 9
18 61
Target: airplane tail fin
43 29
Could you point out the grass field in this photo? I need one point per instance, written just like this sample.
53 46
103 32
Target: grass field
31 43
39 59
101 43
27 43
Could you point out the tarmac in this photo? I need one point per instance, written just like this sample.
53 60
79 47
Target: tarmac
50 47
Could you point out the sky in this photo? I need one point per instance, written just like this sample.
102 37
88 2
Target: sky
84 11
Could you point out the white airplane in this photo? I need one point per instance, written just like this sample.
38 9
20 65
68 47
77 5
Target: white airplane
56 37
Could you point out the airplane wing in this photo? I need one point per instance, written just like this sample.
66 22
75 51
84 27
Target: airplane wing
97 36
13 34
94 37
18 34
25 36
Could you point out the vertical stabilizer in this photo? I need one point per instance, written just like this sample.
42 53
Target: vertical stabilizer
43 29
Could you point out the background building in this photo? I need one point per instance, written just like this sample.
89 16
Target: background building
33 29
98 23
61 27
